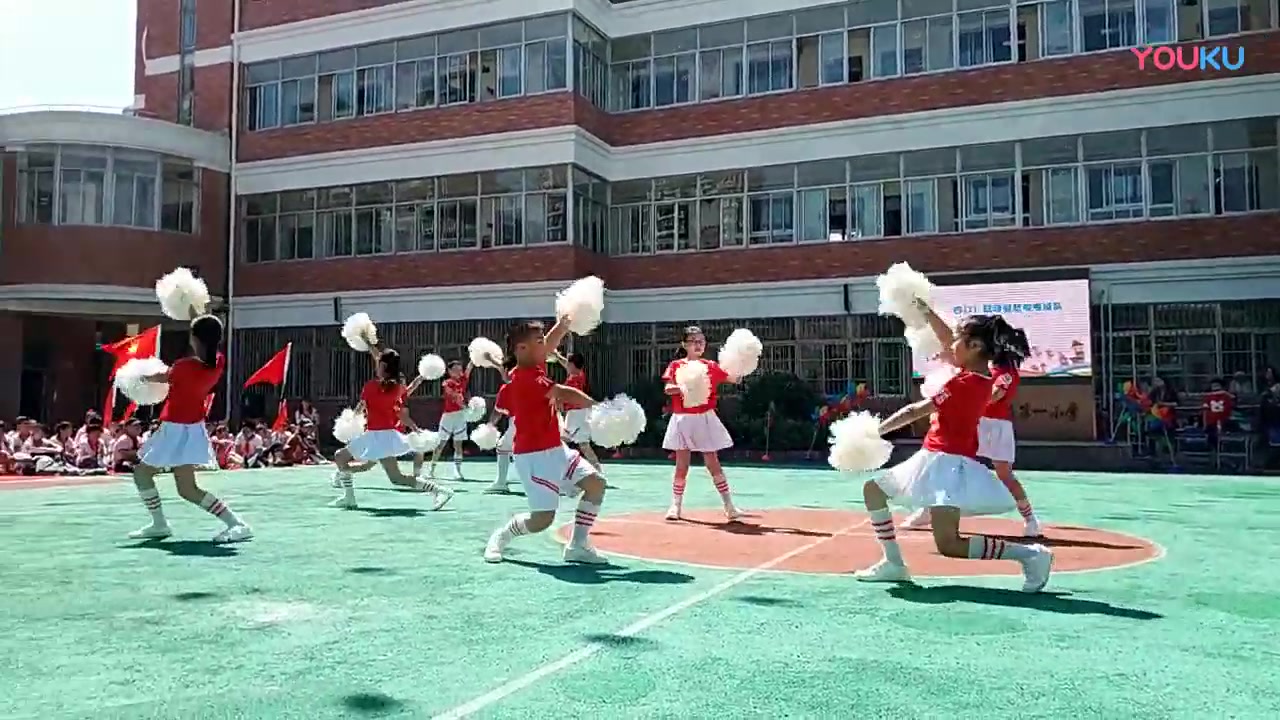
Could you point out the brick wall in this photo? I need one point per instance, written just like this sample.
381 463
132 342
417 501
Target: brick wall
212 97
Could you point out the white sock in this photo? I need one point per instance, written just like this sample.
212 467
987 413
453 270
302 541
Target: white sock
517 526
348 486
504 464
425 485
982 547
151 501
219 509
882 524
582 522
457 465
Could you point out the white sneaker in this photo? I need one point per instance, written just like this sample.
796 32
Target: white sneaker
673 512
497 488
344 502
440 498
584 554
732 512
1036 569
234 534
918 519
154 531
493 549
884 572
1032 528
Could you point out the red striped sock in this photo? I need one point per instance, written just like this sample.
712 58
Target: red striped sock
983 547
882 526
722 485
151 501
1024 508
219 509
677 486
583 520
516 526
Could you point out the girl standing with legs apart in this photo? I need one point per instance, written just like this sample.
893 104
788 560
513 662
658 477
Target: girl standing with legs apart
383 402
182 442
453 421
944 475
694 426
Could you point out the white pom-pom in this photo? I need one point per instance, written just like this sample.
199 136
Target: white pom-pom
431 367
740 353
348 426
179 292
475 409
617 421
856 444
923 341
485 437
900 288
694 382
934 381
485 353
130 380
360 332
423 441
583 303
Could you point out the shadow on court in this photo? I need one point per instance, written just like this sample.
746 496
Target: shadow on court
744 527
766 601
400 512
371 703
1057 602
615 640
187 548
194 596
600 574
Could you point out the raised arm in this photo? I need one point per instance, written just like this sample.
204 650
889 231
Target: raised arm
417 382
556 335
564 394
940 328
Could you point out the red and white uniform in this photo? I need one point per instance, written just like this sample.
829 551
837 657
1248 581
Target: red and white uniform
247 445
995 427
1217 407
547 468
89 451
577 429
124 448
507 443
698 428
183 438
381 439
453 420
944 472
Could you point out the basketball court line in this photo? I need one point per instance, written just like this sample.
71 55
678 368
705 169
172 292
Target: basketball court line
515 685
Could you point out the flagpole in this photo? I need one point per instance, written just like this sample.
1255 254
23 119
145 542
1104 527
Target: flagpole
284 380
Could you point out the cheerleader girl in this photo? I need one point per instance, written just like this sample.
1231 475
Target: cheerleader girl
696 429
453 421
996 443
382 402
944 475
506 444
182 440
577 430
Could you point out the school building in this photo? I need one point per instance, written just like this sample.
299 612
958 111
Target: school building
447 166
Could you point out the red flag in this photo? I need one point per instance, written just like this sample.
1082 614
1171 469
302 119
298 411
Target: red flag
208 404
129 411
143 345
282 416
275 372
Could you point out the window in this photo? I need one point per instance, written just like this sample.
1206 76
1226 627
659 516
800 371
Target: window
884 49
1114 191
772 218
134 192
36 180
1107 24
921 207
769 66
179 190
1244 181
187 26
984 38
673 79
82 193
1057 28
988 201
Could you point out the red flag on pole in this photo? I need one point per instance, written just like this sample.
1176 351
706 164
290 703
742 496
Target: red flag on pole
275 372
143 345
208 404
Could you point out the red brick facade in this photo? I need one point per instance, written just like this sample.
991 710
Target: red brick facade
88 255
212 97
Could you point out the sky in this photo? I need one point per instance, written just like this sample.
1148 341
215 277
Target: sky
96 68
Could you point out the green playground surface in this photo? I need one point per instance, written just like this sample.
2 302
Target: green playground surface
389 611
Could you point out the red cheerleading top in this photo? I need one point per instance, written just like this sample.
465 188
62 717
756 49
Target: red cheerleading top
190 382
953 428
714 372
1008 380
382 404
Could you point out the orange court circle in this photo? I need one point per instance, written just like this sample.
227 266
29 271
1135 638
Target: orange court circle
841 542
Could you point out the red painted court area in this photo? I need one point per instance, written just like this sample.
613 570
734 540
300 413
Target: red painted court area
705 538
35 482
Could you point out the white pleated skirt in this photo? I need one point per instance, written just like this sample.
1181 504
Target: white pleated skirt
931 479
996 440
378 445
177 444
697 433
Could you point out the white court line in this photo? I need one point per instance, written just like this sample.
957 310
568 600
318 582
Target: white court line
514 686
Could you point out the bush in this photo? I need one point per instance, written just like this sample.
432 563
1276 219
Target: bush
790 397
